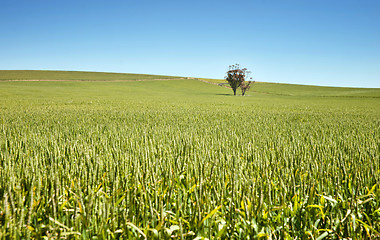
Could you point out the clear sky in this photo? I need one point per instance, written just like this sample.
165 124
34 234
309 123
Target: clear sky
318 42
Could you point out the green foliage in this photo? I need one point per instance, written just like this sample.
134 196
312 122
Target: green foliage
157 160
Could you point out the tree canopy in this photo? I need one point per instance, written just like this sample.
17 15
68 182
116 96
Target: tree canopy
236 77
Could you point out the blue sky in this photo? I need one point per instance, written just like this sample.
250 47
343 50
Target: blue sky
318 42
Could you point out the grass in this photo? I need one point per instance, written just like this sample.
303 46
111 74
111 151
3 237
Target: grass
186 159
305 90
6 75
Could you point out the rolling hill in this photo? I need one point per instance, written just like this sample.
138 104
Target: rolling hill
258 88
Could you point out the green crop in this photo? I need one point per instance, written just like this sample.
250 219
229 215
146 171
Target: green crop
186 160
37 75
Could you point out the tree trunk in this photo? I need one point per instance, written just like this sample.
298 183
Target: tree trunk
234 91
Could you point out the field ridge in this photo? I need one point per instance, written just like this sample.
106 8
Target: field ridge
52 75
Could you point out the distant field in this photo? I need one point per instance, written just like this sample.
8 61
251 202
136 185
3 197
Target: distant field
305 90
186 159
75 75
258 87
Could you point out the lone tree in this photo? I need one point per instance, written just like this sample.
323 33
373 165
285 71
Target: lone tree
236 78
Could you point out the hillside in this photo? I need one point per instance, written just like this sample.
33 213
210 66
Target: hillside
9 75
306 90
291 90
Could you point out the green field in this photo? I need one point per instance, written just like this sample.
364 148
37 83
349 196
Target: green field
184 159
14 75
